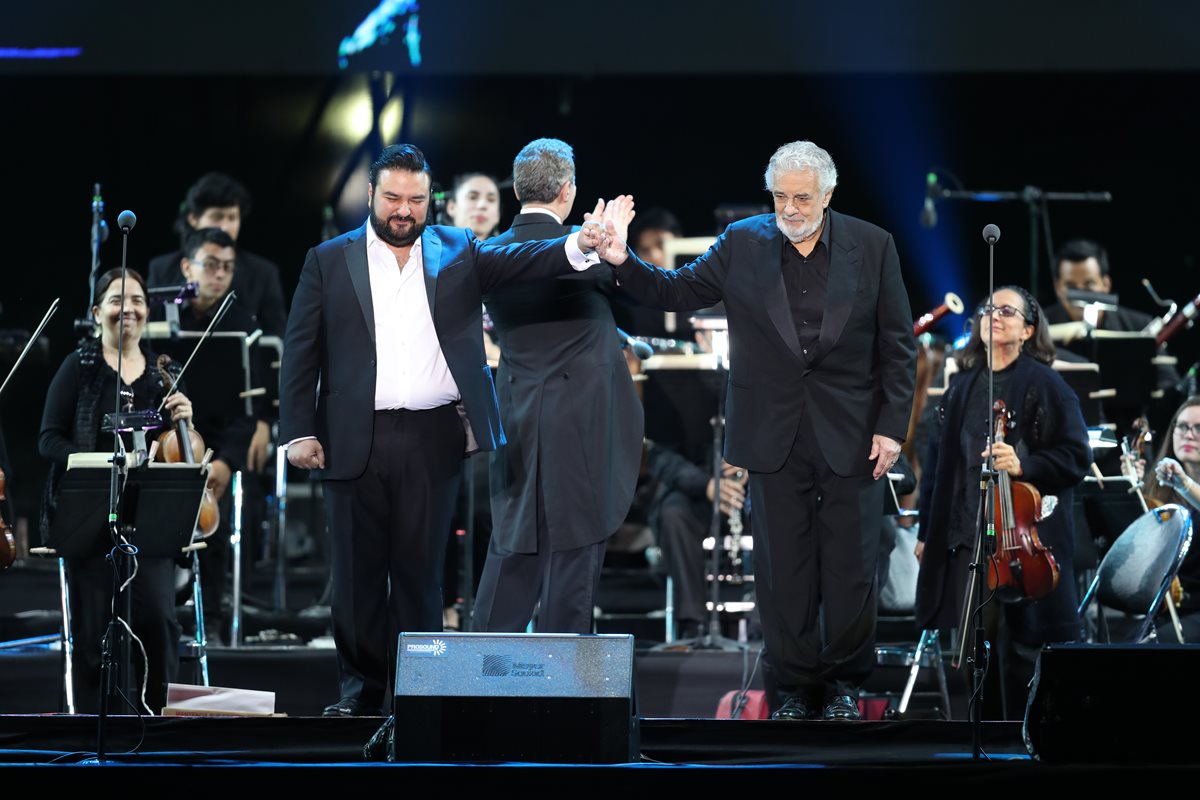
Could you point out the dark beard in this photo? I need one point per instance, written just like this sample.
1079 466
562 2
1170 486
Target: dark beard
384 231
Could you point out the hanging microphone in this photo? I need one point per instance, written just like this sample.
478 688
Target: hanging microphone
929 212
126 220
991 234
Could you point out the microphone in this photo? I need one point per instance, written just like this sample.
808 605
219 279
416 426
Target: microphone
932 190
99 225
639 348
991 234
126 220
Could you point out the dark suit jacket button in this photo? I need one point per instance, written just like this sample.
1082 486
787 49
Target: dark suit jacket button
372 362
566 375
510 378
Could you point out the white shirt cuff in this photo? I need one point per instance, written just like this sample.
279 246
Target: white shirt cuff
301 439
579 259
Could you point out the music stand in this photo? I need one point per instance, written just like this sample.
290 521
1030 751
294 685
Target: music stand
1126 364
161 500
210 383
1084 379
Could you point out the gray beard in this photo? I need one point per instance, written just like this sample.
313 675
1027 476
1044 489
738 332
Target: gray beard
805 232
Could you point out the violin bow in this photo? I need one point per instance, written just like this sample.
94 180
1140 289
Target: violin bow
207 331
29 344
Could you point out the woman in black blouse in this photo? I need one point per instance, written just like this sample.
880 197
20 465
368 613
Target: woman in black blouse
1048 448
83 390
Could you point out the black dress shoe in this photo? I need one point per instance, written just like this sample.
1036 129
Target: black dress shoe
794 708
351 707
842 707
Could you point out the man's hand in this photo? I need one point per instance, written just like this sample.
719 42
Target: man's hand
919 550
884 452
733 488
307 454
260 447
592 233
1006 458
219 476
612 223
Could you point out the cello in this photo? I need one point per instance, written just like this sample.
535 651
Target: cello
1021 568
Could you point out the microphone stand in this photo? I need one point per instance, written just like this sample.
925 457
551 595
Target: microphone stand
114 501
985 537
1036 201
83 325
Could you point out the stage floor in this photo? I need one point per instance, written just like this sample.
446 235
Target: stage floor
320 755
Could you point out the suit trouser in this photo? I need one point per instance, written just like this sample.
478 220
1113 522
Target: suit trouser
816 542
512 583
388 531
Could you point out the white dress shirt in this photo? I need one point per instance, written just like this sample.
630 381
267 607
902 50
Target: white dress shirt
411 369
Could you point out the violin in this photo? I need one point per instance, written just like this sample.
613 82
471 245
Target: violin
180 445
1133 449
1022 568
8 544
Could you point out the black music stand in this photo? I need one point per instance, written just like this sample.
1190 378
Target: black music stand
212 382
1084 379
1126 364
161 503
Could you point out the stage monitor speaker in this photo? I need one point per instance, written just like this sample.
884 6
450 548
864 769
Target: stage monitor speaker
1100 703
550 698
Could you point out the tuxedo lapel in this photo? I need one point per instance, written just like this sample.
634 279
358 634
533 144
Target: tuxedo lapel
431 260
845 269
767 254
355 252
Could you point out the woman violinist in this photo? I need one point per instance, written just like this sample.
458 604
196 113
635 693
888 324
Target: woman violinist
82 392
1047 447
1176 479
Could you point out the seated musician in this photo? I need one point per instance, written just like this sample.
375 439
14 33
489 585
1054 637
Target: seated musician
1048 448
82 392
680 516
1176 479
240 442
1082 264
217 200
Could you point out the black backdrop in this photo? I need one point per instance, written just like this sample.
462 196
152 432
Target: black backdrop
685 141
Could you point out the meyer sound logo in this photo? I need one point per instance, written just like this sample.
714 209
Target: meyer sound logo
497 666
433 647
505 667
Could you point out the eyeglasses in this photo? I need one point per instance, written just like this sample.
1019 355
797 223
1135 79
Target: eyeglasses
1008 312
1182 429
212 265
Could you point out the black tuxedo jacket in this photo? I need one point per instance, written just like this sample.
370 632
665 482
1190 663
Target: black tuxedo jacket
328 373
859 380
255 280
572 416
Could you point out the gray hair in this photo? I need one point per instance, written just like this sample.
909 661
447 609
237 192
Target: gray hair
541 168
801 156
